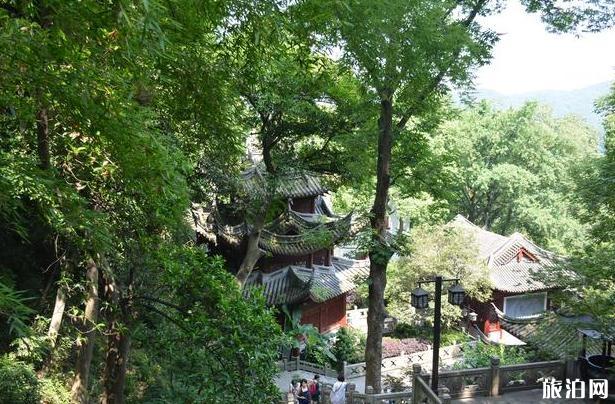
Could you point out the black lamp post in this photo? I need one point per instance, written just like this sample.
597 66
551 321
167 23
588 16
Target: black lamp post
419 299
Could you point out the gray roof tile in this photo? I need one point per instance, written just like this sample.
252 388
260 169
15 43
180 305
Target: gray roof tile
506 272
293 283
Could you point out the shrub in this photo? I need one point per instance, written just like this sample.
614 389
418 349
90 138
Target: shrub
53 391
479 355
405 330
449 336
453 337
318 350
394 347
395 383
349 346
18 383
344 347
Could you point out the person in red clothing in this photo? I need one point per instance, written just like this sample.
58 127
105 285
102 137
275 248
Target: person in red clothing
314 387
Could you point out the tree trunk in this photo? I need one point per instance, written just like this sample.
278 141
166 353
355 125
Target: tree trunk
56 317
42 138
118 350
79 391
267 157
379 253
253 253
118 345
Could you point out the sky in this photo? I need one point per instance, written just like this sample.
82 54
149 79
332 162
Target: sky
528 58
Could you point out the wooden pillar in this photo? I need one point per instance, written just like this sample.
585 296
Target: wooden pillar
583 343
494 377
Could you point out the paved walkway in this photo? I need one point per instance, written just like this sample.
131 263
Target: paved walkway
283 378
519 397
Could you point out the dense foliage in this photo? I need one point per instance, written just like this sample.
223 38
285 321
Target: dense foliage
349 346
436 250
479 355
115 116
106 112
514 170
449 336
18 383
591 289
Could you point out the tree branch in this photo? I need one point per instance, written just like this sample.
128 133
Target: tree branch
401 124
166 316
163 302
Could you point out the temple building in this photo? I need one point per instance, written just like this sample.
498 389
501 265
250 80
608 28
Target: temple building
297 266
514 264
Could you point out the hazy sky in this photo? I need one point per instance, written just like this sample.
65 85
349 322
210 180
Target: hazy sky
527 58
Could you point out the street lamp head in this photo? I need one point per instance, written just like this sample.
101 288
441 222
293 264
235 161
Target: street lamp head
419 298
456 294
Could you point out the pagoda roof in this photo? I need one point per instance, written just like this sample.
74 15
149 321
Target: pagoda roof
294 284
315 232
513 261
289 184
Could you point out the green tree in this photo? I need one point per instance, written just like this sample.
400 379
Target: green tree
105 112
402 52
436 250
514 170
202 340
593 286
567 16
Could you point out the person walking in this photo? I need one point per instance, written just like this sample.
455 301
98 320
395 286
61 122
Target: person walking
304 396
315 389
293 390
338 392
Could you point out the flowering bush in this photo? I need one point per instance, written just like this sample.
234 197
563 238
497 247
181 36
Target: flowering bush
394 347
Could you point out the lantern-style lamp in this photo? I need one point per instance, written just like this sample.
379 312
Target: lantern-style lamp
472 316
456 294
419 298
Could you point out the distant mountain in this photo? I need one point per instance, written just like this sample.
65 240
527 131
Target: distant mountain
579 102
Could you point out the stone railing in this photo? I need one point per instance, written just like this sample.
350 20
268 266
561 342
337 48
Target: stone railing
488 381
495 379
404 360
529 375
465 383
297 364
354 397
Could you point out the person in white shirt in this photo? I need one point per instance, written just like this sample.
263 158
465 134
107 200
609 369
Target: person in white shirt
338 392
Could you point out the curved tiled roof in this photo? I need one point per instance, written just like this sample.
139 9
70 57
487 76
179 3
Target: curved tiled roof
313 235
508 270
517 276
293 283
487 241
552 333
292 184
